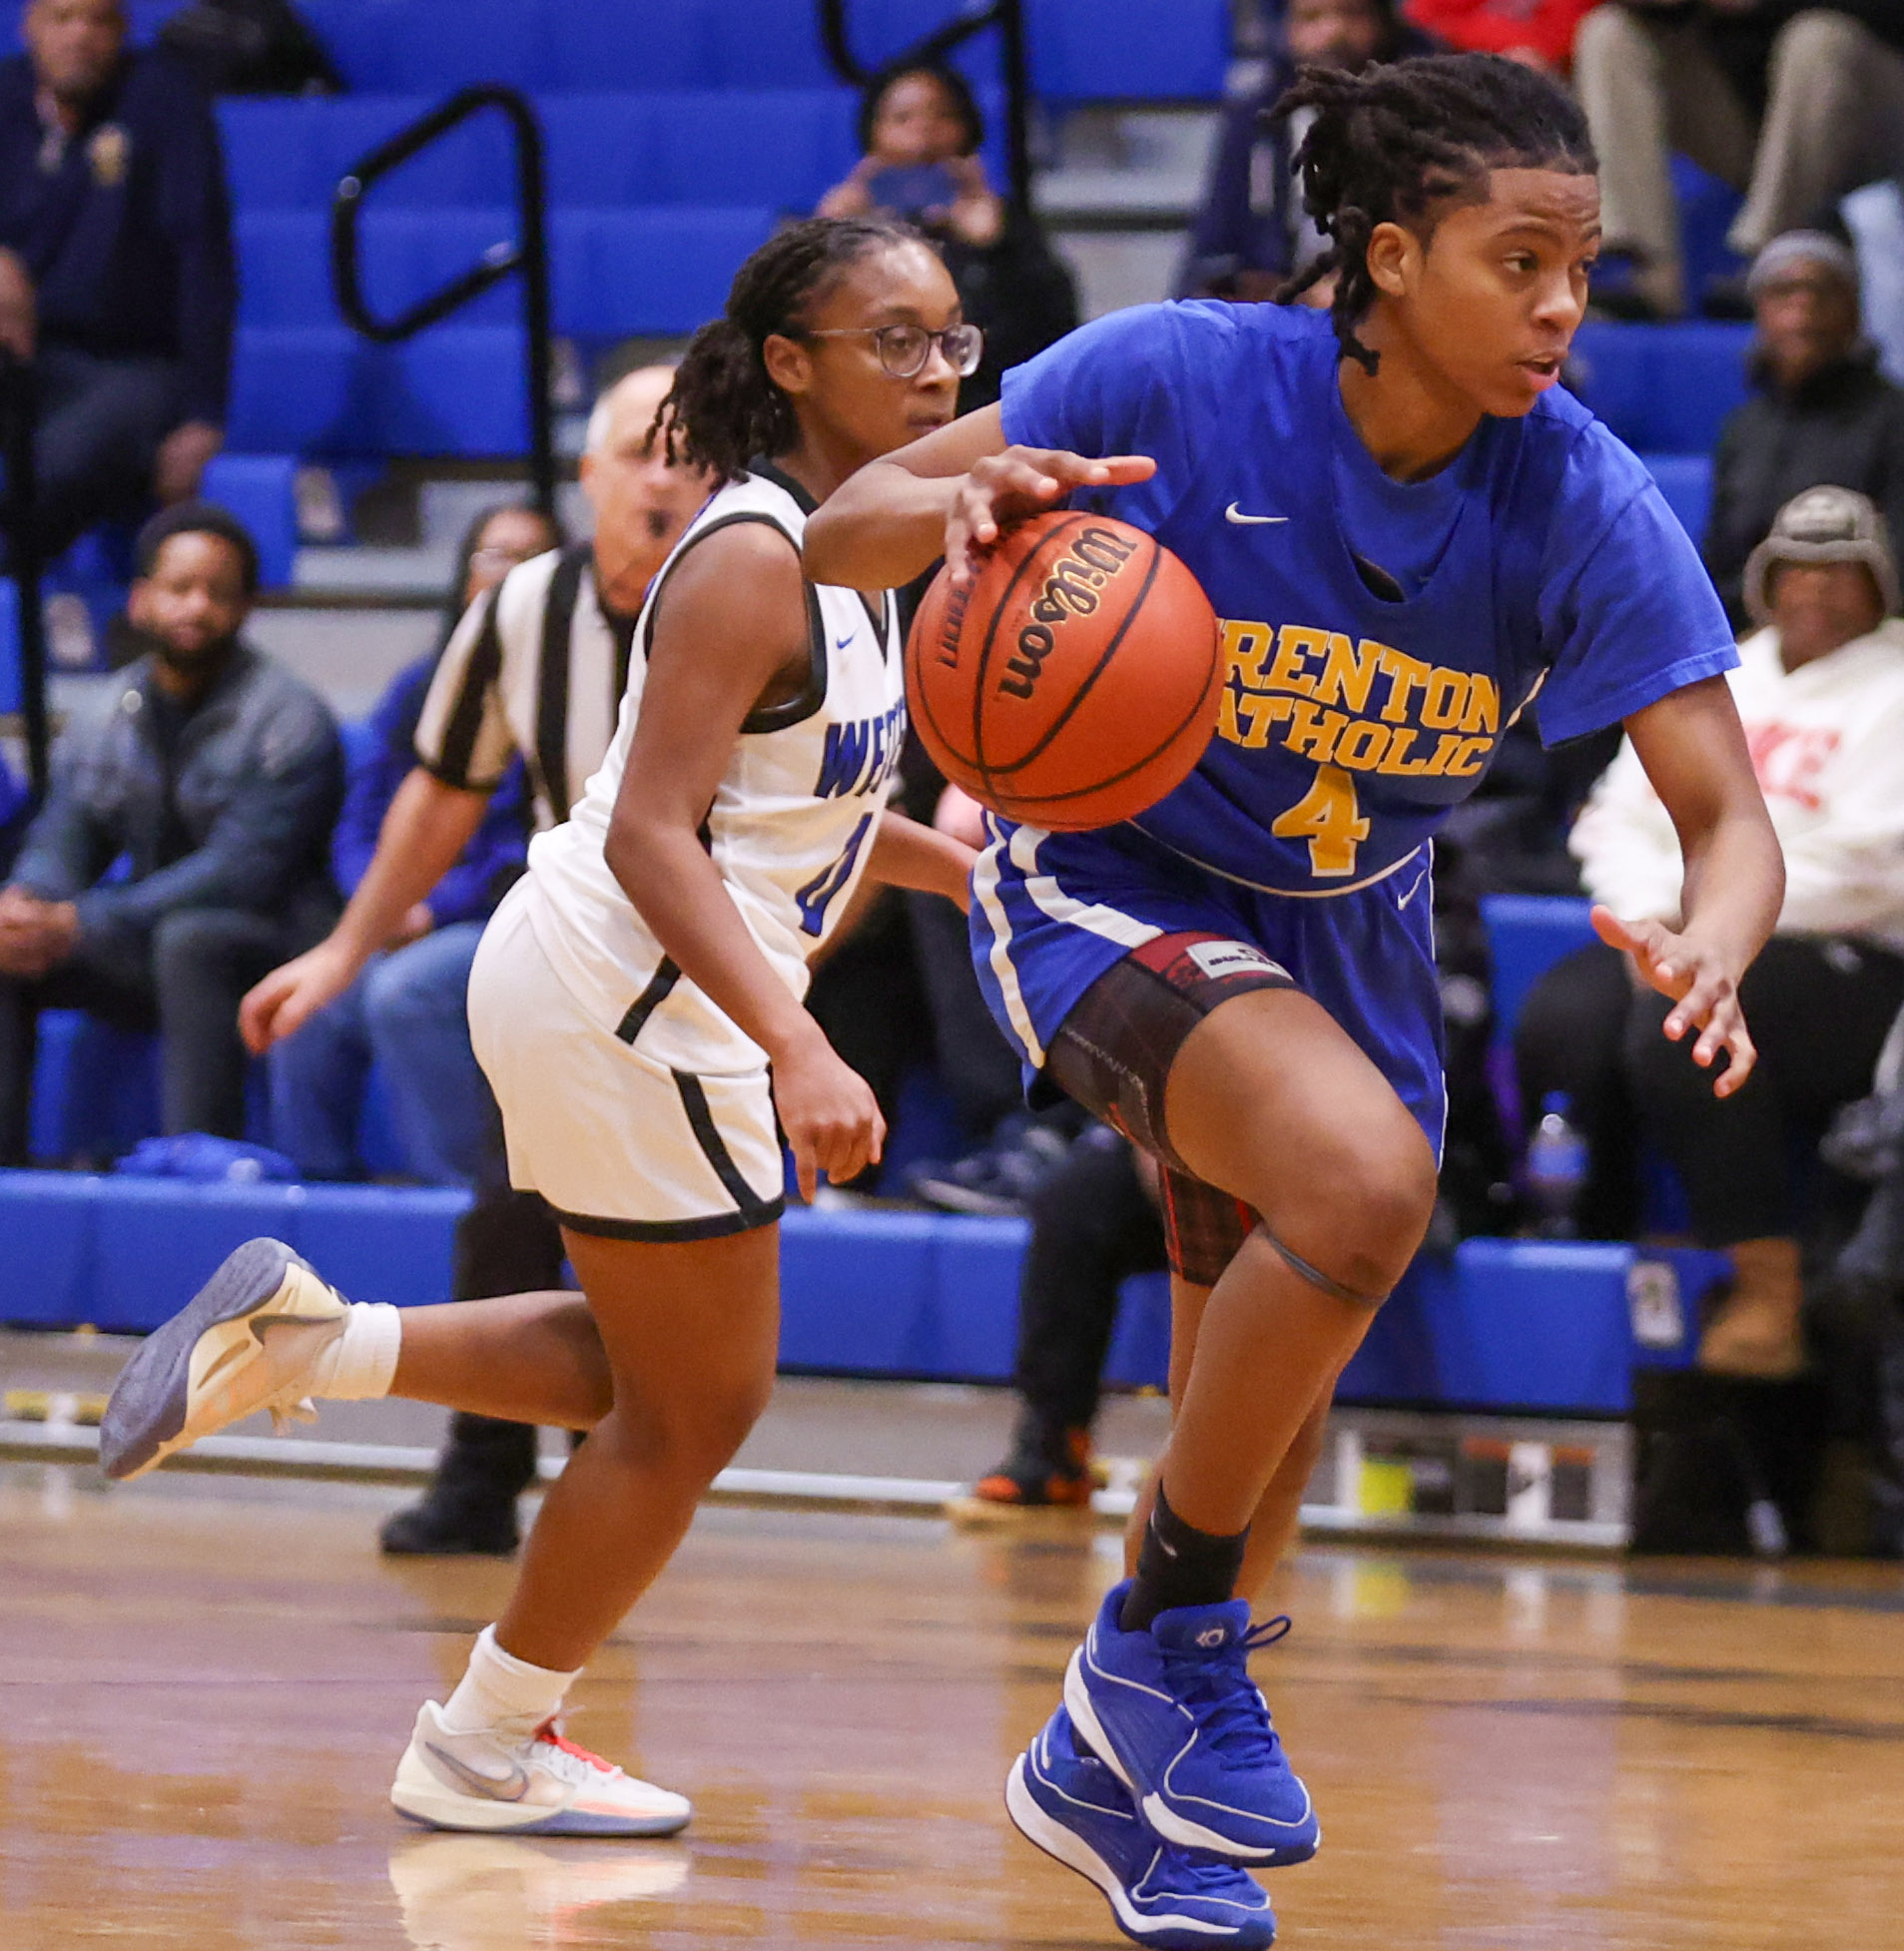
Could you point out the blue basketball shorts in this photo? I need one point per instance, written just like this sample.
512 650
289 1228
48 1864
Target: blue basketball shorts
1098 953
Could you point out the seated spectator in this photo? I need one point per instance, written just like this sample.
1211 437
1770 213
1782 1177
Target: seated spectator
407 1010
115 271
181 850
1822 413
921 131
1821 689
1694 75
1538 33
1250 234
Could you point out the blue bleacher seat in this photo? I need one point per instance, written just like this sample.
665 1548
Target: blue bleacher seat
1129 50
1527 935
302 390
609 150
1662 388
1686 482
95 1089
661 269
458 389
290 151
261 491
394 45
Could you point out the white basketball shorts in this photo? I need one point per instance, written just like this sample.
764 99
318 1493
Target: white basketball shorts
618 1144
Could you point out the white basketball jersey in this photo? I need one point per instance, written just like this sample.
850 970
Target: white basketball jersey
789 829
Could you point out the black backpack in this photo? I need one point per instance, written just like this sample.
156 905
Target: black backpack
249 47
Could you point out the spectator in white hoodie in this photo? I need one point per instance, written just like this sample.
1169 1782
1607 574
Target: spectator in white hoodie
1820 690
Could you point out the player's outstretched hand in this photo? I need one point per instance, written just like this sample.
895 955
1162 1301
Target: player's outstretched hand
1702 985
829 1113
1021 481
291 996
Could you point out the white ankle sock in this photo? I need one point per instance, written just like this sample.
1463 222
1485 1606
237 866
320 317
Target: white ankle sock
356 1358
500 1688
361 1362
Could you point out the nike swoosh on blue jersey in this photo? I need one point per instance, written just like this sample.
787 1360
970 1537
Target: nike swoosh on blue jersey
1235 515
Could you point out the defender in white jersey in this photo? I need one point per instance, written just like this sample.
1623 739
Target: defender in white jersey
637 1006
644 1051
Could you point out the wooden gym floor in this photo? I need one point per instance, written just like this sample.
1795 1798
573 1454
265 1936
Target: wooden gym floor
205 1684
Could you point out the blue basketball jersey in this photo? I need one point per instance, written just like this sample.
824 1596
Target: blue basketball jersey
1377 637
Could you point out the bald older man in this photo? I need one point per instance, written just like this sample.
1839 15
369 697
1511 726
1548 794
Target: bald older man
536 668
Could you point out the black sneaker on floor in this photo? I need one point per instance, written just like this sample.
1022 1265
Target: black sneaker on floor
1042 1474
445 1528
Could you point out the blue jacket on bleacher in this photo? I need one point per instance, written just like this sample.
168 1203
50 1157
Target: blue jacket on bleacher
128 238
252 797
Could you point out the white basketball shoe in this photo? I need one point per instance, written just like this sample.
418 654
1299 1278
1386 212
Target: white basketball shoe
209 1366
524 1780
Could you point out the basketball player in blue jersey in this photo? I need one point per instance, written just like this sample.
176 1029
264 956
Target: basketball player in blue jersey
1410 537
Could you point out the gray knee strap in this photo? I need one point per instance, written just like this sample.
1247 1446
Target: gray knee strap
1317 1278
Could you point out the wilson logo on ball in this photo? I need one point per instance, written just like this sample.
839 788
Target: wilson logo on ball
1074 679
1069 590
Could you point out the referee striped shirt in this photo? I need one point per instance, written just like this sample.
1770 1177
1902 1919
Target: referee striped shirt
537 667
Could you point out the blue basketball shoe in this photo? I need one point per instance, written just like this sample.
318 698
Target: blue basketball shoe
1067 1802
1175 1714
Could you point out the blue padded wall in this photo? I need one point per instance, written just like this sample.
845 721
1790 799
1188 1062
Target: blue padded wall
128 1253
1502 1324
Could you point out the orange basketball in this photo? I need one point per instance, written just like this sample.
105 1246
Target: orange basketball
1074 681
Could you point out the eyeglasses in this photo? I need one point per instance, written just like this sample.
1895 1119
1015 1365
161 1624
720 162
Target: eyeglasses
903 349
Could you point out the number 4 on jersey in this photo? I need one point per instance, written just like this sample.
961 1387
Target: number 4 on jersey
1328 819
819 893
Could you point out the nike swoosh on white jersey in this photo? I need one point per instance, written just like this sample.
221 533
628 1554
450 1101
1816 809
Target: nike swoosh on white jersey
1235 515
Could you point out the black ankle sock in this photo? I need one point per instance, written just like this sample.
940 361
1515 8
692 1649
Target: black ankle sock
1177 1565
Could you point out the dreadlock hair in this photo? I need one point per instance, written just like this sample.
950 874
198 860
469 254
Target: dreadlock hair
1390 143
722 410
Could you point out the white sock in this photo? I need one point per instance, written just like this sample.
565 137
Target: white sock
356 1359
500 1688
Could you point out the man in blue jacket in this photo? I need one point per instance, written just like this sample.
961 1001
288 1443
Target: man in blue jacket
181 852
116 268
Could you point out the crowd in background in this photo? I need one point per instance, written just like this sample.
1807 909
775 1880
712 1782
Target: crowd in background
203 826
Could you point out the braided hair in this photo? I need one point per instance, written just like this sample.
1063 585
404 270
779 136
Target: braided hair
1390 143
722 410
